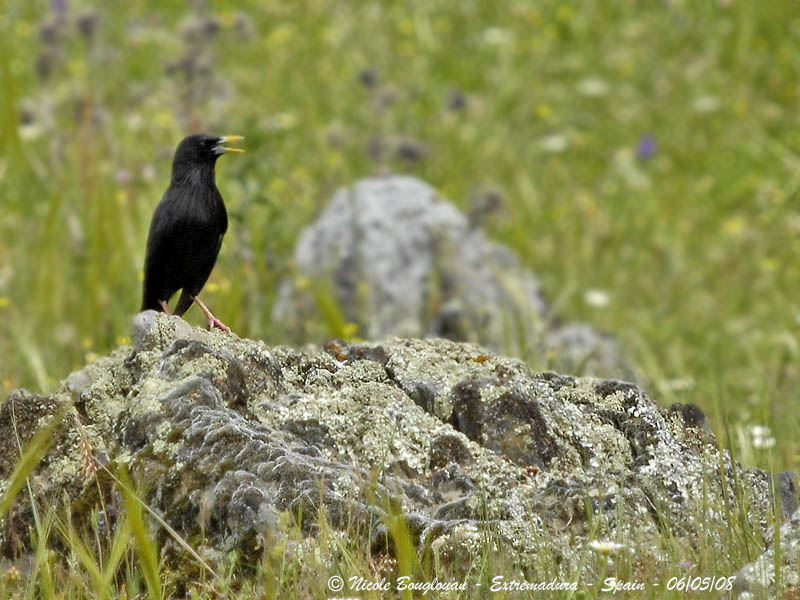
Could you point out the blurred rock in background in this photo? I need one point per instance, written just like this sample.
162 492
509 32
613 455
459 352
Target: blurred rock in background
389 257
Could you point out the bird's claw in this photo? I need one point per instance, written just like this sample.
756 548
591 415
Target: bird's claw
210 318
215 322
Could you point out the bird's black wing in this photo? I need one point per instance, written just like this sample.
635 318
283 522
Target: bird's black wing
190 291
182 246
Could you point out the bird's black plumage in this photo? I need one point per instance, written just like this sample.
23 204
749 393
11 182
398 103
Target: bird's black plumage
187 228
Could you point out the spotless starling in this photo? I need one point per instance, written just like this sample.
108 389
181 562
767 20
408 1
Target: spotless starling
187 228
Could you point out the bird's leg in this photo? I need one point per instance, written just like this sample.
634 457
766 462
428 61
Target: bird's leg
212 320
165 306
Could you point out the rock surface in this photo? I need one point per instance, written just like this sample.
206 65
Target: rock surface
228 435
400 261
757 579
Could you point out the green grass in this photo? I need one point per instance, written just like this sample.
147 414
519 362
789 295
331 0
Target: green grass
696 247
112 554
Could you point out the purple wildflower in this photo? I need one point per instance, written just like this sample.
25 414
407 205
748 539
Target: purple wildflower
123 176
647 147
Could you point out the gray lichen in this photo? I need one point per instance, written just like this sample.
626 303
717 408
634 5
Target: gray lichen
226 435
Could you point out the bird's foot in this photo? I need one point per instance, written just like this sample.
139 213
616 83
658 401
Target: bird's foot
215 322
210 318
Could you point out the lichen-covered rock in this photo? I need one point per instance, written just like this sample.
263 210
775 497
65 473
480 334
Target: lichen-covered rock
226 435
758 578
401 261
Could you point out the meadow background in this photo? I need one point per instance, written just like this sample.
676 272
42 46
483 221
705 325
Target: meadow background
647 154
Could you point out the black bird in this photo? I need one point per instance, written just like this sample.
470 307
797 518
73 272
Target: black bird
187 228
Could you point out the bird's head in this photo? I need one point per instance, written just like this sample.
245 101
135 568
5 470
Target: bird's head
202 150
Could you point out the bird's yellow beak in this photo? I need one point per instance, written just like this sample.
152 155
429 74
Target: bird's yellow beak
230 138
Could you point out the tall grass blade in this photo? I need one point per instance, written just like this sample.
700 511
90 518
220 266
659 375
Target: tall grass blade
37 447
122 536
73 540
145 550
130 494
41 566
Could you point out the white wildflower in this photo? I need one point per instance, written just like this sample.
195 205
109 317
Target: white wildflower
596 298
706 104
593 87
762 437
605 547
553 143
495 36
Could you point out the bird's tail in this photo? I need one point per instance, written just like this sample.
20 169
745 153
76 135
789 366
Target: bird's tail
184 302
151 303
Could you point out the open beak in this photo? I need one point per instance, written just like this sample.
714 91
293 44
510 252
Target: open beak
228 138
